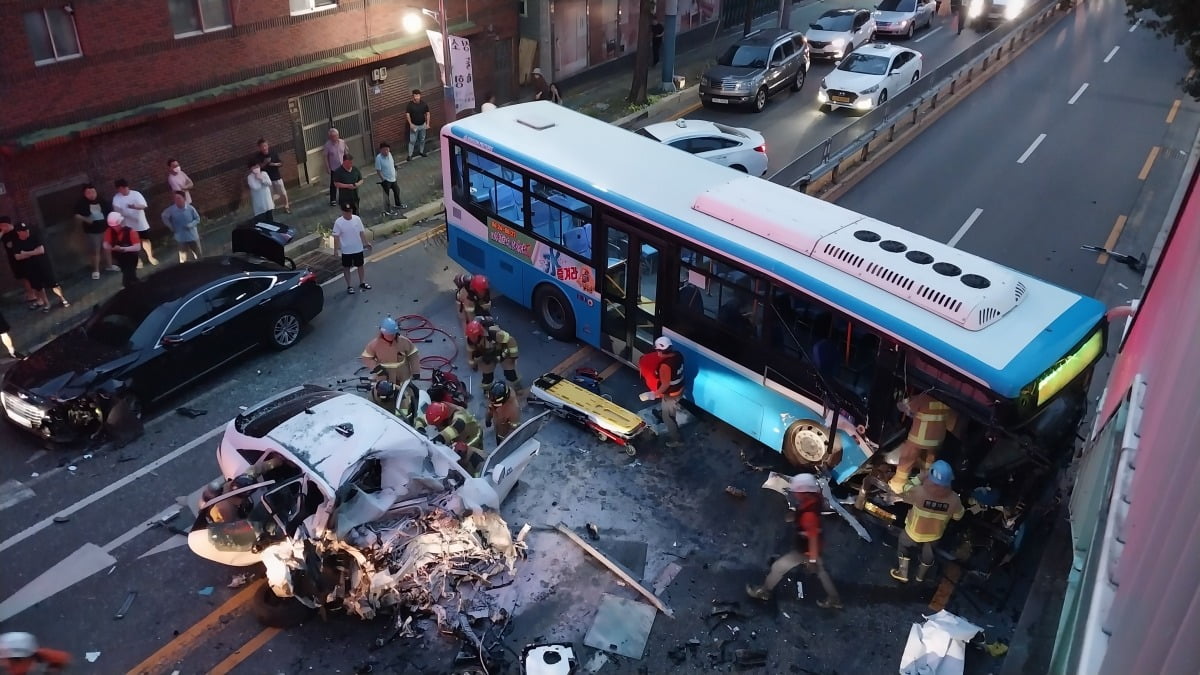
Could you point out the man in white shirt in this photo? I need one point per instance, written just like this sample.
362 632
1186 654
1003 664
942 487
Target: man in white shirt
177 180
385 164
132 205
349 241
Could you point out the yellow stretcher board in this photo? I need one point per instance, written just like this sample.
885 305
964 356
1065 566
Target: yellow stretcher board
601 413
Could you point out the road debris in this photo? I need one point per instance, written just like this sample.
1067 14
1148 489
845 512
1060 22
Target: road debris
62 519
552 659
206 591
240 580
193 413
593 532
665 577
750 658
596 662
622 626
735 492
129 598
616 569
938 645
91 656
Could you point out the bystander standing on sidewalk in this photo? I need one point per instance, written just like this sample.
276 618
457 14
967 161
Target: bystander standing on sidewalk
7 340
417 115
385 164
349 242
31 252
347 180
184 221
656 38
178 181
132 205
335 150
8 239
261 201
125 246
90 212
271 165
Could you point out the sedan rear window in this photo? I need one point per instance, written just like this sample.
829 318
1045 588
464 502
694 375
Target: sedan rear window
867 64
744 56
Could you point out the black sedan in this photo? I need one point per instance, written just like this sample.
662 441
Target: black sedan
151 340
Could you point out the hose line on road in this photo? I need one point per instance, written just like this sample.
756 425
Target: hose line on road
419 329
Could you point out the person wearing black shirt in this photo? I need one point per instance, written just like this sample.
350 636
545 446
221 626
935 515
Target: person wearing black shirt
417 114
32 254
8 239
268 159
347 179
656 38
90 212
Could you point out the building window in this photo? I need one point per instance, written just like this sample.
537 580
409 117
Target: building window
424 74
52 35
305 6
194 17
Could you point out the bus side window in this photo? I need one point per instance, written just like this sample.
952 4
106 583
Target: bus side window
495 190
720 306
457 169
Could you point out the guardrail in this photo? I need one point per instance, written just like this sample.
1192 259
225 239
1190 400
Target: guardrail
817 169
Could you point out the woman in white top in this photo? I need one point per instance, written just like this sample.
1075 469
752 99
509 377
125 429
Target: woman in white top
261 200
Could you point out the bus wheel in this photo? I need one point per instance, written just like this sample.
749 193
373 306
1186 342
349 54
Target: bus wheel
554 313
806 442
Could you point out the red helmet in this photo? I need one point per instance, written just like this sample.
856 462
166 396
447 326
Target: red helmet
475 330
437 413
478 284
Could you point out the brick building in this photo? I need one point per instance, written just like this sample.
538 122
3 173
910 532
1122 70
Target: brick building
93 90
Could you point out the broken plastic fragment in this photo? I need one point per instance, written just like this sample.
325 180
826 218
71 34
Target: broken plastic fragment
91 656
207 590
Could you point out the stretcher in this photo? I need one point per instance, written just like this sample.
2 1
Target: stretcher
580 405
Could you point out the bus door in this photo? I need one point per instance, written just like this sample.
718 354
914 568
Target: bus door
631 317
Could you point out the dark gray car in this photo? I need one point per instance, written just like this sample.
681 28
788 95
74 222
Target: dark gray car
754 68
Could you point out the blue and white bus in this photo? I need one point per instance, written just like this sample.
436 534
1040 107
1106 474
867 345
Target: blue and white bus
787 308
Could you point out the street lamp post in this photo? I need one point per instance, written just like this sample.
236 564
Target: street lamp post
412 22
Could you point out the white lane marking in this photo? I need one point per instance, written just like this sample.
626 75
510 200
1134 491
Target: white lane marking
1029 151
1111 54
929 34
140 528
13 492
83 563
1079 93
111 488
965 226
1135 25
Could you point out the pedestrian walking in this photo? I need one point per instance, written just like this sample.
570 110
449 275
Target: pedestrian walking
349 242
662 370
503 411
90 212
132 205
656 38
8 238
124 246
335 150
417 114
178 181
271 164
959 18
348 179
489 103
32 253
385 164
804 496
934 505
261 201
7 340
184 222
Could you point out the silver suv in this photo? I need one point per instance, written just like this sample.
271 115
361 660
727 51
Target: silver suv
754 68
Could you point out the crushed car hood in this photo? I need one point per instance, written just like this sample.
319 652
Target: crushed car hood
67 366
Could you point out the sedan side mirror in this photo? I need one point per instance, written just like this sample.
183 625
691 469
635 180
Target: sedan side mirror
172 340
895 71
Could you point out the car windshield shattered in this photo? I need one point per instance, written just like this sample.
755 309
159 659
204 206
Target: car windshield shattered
744 56
838 23
866 64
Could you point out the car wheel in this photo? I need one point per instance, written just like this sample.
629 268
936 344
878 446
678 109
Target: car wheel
284 329
760 100
554 313
798 82
276 612
123 422
916 76
882 98
912 28
738 167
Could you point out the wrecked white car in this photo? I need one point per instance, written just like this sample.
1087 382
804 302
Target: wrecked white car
348 506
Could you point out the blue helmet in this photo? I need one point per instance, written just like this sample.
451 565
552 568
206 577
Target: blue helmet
941 474
389 325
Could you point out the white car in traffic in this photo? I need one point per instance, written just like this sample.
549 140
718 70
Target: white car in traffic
734 147
839 32
867 77
902 18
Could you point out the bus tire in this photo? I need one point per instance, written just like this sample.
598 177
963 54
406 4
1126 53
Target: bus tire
806 443
554 313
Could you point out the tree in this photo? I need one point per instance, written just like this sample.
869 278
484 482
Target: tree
641 59
1178 20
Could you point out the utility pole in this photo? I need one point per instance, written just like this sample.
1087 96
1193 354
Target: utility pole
451 108
749 18
668 53
785 14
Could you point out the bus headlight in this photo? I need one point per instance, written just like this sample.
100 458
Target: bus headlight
1014 8
974 9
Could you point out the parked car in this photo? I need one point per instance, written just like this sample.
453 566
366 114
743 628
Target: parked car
983 15
757 66
839 32
736 148
153 339
903 17
865 78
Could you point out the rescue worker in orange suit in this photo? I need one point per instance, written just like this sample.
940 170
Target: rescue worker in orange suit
487 345
807 501
458 429
503 413
931 420
934 504
20 655
391 356
473 297
662 371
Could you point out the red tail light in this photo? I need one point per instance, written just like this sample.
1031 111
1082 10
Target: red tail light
762 148
309 277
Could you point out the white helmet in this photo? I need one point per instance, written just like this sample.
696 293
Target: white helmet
804 482
663 343
17 645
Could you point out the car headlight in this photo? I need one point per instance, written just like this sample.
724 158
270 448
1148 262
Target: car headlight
1014 9
903 23
975 8
863 104
741 86
870 90
822 97
838 43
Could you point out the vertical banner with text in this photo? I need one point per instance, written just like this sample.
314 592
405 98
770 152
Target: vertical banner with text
460 68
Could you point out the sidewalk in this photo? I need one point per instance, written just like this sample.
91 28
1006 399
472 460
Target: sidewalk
601 95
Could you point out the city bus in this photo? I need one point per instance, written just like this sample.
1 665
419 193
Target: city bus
803 324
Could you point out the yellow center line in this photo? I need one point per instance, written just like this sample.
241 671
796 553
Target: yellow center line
255 643
1149 162
174 651
1174 111
945 589
607 372
376 257
571 360
1112 239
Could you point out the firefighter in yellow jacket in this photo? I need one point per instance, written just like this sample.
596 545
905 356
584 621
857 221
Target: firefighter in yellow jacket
503 411
391 356
457 428
487 345
472 297
931 421
934 505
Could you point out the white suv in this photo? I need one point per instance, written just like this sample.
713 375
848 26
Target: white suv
736 148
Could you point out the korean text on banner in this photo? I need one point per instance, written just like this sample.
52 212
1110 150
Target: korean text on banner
460 68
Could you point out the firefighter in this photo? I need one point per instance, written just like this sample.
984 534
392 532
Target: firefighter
457 428
931 420
662 371
489 344
474 297
934 504
391 356
502 411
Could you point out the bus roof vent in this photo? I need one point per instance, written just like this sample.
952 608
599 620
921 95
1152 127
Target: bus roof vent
968 290
535 123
